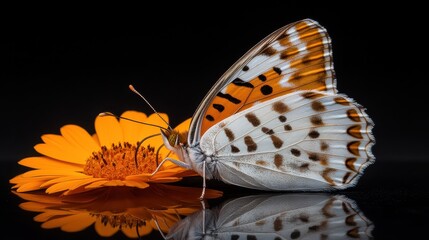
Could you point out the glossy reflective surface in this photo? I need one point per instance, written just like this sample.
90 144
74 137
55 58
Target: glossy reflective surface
390 202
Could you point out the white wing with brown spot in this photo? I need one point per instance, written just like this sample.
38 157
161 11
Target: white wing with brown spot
286 216
306 140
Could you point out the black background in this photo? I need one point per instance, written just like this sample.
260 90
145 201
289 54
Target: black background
56 72
61 69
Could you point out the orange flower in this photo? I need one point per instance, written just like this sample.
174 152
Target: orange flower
75 161
134 212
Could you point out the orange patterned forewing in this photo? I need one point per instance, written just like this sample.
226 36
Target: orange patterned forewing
299 59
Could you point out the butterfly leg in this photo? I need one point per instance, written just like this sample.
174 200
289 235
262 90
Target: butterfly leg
175 161
204 181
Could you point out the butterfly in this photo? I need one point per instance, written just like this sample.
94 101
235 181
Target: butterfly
275 120
284 216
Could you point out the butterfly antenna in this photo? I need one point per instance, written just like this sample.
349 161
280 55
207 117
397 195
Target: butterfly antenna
103 114
147 102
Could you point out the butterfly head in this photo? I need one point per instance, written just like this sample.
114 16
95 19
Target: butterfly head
173 139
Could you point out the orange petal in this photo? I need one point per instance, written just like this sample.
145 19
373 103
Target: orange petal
108 130
105 230
138 184
35 197
51 172
30 186
48 163
132 233
114 183
67 179
34 206
51 213
165 180
132 130
150 130
63 186
61 221
184 126
95 138
78 223
97 184
58 147
80 138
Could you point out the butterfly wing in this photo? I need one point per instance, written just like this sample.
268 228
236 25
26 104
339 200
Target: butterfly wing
295 57
291 216
304 140
286 216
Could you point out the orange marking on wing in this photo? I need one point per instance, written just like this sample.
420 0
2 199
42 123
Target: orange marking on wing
301 25
304 51
350 164
353 148
239 93
353 115
355 132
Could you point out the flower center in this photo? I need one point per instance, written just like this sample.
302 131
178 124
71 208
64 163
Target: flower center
120 220
118 162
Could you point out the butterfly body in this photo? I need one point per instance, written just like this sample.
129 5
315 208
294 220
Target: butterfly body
274 120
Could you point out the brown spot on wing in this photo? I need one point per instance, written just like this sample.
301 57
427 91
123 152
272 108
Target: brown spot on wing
267 130
353 148
313 134
280 107
353 233
350 220
253 119
324 146
229 134
350 164
318 106
304 217
251 237
304 167
251 145
346 177
277 142
287 127
295 234
234 149
354 131
261 162
311 95
278 160
326 209
318 227
295 152
269 51
316 120
278 224
325 175
260 222
345 208
341 101
353 115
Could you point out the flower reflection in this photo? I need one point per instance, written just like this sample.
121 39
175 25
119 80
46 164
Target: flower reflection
133 211
285 216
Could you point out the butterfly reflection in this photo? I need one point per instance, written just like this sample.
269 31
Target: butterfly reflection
285 216
134 212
